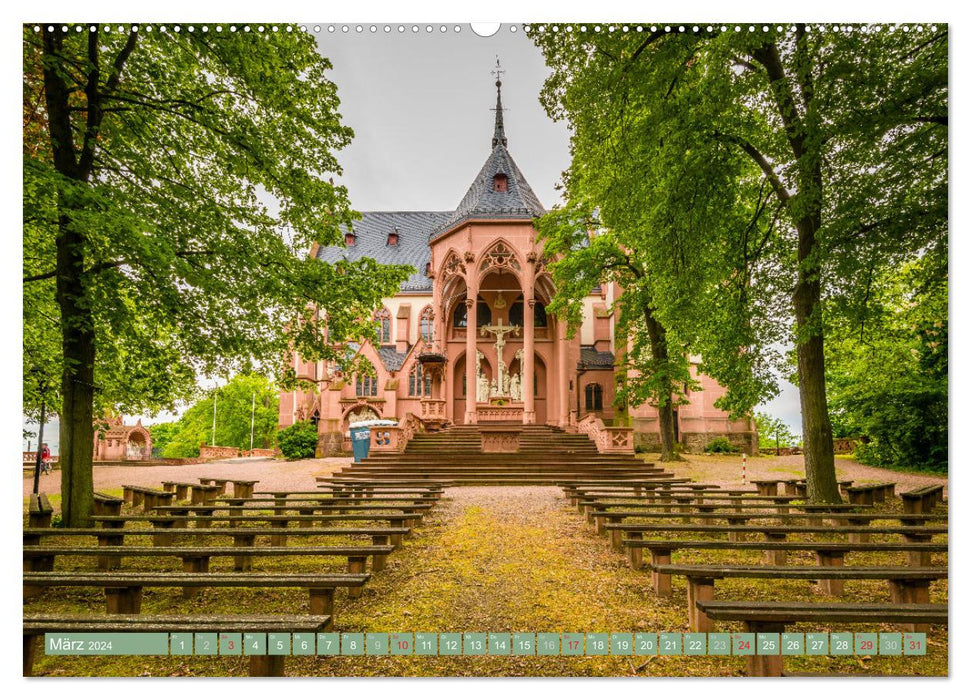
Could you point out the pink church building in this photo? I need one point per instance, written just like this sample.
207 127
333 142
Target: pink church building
467 339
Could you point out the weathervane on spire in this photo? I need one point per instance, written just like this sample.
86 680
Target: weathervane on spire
499 136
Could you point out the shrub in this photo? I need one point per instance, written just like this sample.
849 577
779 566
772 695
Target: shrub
721 445
298 441
640 449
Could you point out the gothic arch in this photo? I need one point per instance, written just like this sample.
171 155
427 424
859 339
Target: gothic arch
500 256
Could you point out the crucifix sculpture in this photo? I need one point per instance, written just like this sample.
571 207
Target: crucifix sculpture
500 331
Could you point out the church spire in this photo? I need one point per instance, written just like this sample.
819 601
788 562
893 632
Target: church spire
499 135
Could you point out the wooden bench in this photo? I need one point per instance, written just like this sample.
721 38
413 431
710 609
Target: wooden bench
181 489
281 523
871 493
123 590
923 499
773 533
242 537
196 559
211 481
244 505
597 511
907 585
260 665
762 616
145 497
107 505
797 487
40 512
326 499
766 487
243 488
774 553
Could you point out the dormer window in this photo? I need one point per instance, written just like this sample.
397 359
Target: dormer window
428 269
393 236
350 238
499 182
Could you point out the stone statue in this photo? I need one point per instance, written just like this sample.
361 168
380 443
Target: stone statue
482 389
515 388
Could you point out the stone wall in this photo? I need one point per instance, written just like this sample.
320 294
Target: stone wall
216 452
696 442
261 452
330 445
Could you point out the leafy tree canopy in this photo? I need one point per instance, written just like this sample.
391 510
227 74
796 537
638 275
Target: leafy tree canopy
173 184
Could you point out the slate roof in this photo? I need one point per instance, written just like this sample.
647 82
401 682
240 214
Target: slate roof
414 230
417 228
483 202
391 358
590 358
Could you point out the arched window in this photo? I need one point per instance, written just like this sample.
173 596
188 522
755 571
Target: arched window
483 316
427 323
366 383
419 383
516 312
383 318
594 394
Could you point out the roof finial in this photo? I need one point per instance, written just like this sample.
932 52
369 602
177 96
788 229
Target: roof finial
499 136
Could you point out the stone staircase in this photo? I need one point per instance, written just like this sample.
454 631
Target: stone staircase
546 455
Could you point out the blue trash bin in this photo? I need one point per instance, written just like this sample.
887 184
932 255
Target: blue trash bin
360 443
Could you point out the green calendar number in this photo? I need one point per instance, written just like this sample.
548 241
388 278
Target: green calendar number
817 643
597 644
621 644
719 644
841 643
426 643
695 643
278 643
206 643
793 644
230 644
474 643
743 644
500 643
669 643
915 644
548 644
254 644
865 644
523 643
402 644
352 644
891 643
180 644
449 644
645 644
304 644
328 643
377 643
571 644
768 644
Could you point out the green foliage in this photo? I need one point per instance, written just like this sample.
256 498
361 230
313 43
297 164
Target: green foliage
721 445
888 374
233 404
162 435
773 432
298 441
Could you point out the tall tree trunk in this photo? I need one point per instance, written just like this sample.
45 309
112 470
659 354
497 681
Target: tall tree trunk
77 320
77 382
657 335
817 431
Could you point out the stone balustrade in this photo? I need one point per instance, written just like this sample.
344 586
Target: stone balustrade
500 439
607 438
394 438
217 452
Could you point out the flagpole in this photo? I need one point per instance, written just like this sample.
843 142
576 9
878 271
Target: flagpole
252 419
215 397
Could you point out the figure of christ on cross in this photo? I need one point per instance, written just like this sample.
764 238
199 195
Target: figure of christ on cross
500 332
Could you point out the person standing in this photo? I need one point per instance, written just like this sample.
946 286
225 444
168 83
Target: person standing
45 459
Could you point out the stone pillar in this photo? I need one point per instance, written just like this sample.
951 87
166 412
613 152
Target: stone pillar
528 370
471 360
562 373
